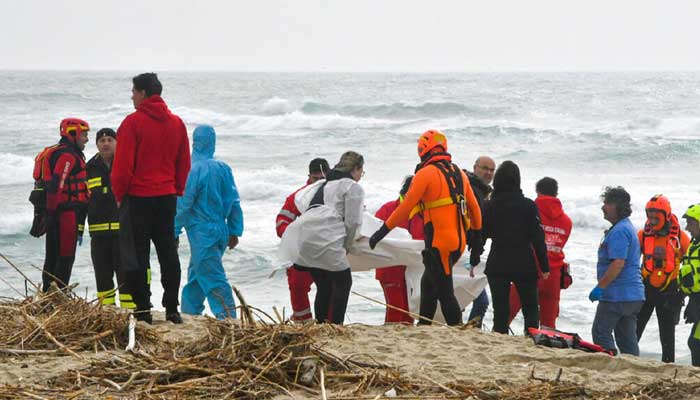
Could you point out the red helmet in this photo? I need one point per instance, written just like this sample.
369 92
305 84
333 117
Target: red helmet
71 128
659 203
430 140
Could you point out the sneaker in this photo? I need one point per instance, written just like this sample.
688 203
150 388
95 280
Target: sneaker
174 317
144 316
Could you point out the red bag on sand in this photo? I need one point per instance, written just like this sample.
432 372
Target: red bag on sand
562 340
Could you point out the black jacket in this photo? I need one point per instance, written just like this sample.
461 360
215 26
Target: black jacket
512 222
481 189
103 215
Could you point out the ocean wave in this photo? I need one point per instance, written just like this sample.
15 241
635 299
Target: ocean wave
16 221
15 169
394 110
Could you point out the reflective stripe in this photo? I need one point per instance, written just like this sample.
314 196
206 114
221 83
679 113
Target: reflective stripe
281 222
107 297
445 201
287 214
125 297
94 182
696 333
81 227
303 314
148 276
107 226
127 304
108 301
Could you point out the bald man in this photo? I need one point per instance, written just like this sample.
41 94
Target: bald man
480 180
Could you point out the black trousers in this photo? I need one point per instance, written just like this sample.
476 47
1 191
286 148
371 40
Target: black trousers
61 241
500 297
668 312
332 293
142 220
104 250
436 285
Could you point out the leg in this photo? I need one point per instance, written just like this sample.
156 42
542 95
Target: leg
324 288
626 328
393 283
101 253
299 286
668 313
50 257
68 240
163 228
213 279
342 282
549 291
479 307
515 305
428 288
646 311
694 344
530 303
606 317
500 295
192 293
125 299
446 292
134 249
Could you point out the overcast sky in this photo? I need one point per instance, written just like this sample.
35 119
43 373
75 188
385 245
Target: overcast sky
352 35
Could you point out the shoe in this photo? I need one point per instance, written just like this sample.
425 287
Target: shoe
174 317
144 316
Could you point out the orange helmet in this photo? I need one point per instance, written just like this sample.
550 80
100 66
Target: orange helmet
71 128
659 203
430 140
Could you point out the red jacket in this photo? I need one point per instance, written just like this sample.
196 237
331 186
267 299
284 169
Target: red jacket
153 153
288 213
557 228
414 226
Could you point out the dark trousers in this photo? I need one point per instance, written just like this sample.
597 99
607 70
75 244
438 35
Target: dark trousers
668 313
332 292
104 250
61 240
436 285
500 297
142 220
694 344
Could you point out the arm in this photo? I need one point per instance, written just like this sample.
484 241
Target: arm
186 202
685 243
419 185
288 213
354 206
613 271
234 220
124 160
61 171
537 240
183 162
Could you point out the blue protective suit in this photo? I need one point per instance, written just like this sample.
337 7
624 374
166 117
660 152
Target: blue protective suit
210 211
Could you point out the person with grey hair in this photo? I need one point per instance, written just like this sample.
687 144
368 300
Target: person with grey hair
620 290
331 223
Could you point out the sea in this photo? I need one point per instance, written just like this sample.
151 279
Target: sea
640 130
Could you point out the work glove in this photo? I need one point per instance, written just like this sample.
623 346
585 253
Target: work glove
595 294
475 242
692 312
80 240
378 236
474 258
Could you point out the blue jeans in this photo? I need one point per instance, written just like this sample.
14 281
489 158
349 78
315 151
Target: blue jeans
479 307
620 318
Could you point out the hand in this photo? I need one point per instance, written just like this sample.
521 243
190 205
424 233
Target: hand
545 276
232 242
378 236
80 240
595 294
475 242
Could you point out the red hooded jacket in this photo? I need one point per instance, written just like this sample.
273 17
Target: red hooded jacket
556 226
153 154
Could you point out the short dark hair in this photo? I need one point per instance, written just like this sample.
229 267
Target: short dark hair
620 198
149 82
547 186
319 165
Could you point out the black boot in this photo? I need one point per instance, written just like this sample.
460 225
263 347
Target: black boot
173 317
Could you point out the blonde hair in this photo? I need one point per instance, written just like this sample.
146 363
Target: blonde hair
349 161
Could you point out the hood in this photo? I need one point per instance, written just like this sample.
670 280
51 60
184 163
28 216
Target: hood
203 143
155 107
549 206
507 178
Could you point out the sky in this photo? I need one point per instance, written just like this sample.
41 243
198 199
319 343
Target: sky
352 35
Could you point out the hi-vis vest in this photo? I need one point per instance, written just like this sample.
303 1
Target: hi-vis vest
689 273
661 262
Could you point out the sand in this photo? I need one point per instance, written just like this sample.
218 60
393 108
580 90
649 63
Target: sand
441 354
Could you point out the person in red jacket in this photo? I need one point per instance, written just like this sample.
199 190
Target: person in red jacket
150 169
557 228
393 279
299 279
62 173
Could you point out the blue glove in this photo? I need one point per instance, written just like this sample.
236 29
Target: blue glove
595 294
80 240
